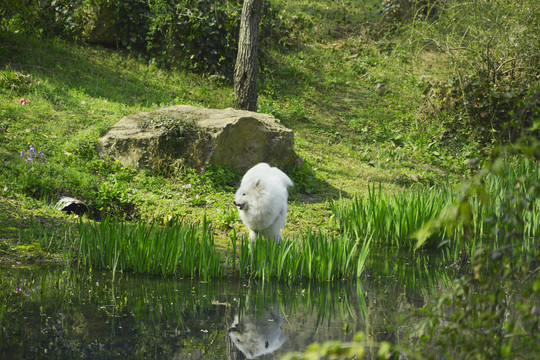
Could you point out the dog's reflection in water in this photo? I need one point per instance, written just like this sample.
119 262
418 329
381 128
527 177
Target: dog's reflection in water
257 335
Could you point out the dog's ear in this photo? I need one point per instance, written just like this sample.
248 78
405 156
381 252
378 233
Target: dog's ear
259 183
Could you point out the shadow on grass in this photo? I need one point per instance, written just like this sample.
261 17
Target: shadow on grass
64 67
310 189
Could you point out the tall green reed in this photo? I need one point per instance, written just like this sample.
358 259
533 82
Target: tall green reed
188 250
174 249
314 256
391 218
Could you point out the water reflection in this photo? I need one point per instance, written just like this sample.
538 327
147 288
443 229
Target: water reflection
54 313
257 333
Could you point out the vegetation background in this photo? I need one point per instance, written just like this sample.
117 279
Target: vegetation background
395 93
391 92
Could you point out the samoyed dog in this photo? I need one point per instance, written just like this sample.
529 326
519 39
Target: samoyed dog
262 201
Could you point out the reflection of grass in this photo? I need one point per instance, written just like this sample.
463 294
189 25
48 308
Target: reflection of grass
422 271
154 308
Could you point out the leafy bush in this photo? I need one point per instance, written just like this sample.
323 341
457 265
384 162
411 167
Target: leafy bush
304 179
199 35
221 177
203 35
492 110
114 199
214 177
494 305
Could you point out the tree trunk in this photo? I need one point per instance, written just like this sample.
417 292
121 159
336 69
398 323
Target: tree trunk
245 71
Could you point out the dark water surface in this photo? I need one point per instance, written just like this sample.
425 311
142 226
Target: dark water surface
53 313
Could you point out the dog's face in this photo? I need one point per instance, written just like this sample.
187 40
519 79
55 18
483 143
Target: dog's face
247 192
240 200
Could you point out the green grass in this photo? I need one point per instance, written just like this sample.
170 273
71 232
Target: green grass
392 219
175 249
395 218
315 256
188 250
78 92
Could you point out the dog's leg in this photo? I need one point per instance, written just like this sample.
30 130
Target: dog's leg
252 235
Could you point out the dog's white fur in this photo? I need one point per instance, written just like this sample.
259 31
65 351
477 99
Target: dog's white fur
262 201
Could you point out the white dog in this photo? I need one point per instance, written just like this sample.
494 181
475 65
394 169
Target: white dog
262 201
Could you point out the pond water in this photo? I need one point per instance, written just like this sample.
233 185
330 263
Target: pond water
52 312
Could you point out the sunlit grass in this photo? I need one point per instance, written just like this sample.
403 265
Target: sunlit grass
77 92
392 219
313 256
381 217
185 250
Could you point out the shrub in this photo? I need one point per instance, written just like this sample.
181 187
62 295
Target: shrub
491 311
114 199
199 35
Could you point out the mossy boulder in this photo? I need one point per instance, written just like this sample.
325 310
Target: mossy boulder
195 136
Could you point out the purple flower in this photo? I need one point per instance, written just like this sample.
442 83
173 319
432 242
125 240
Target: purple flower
29 158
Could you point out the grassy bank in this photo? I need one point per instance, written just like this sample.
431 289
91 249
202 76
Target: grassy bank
503 215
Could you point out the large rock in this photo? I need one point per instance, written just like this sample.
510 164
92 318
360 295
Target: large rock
194 136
